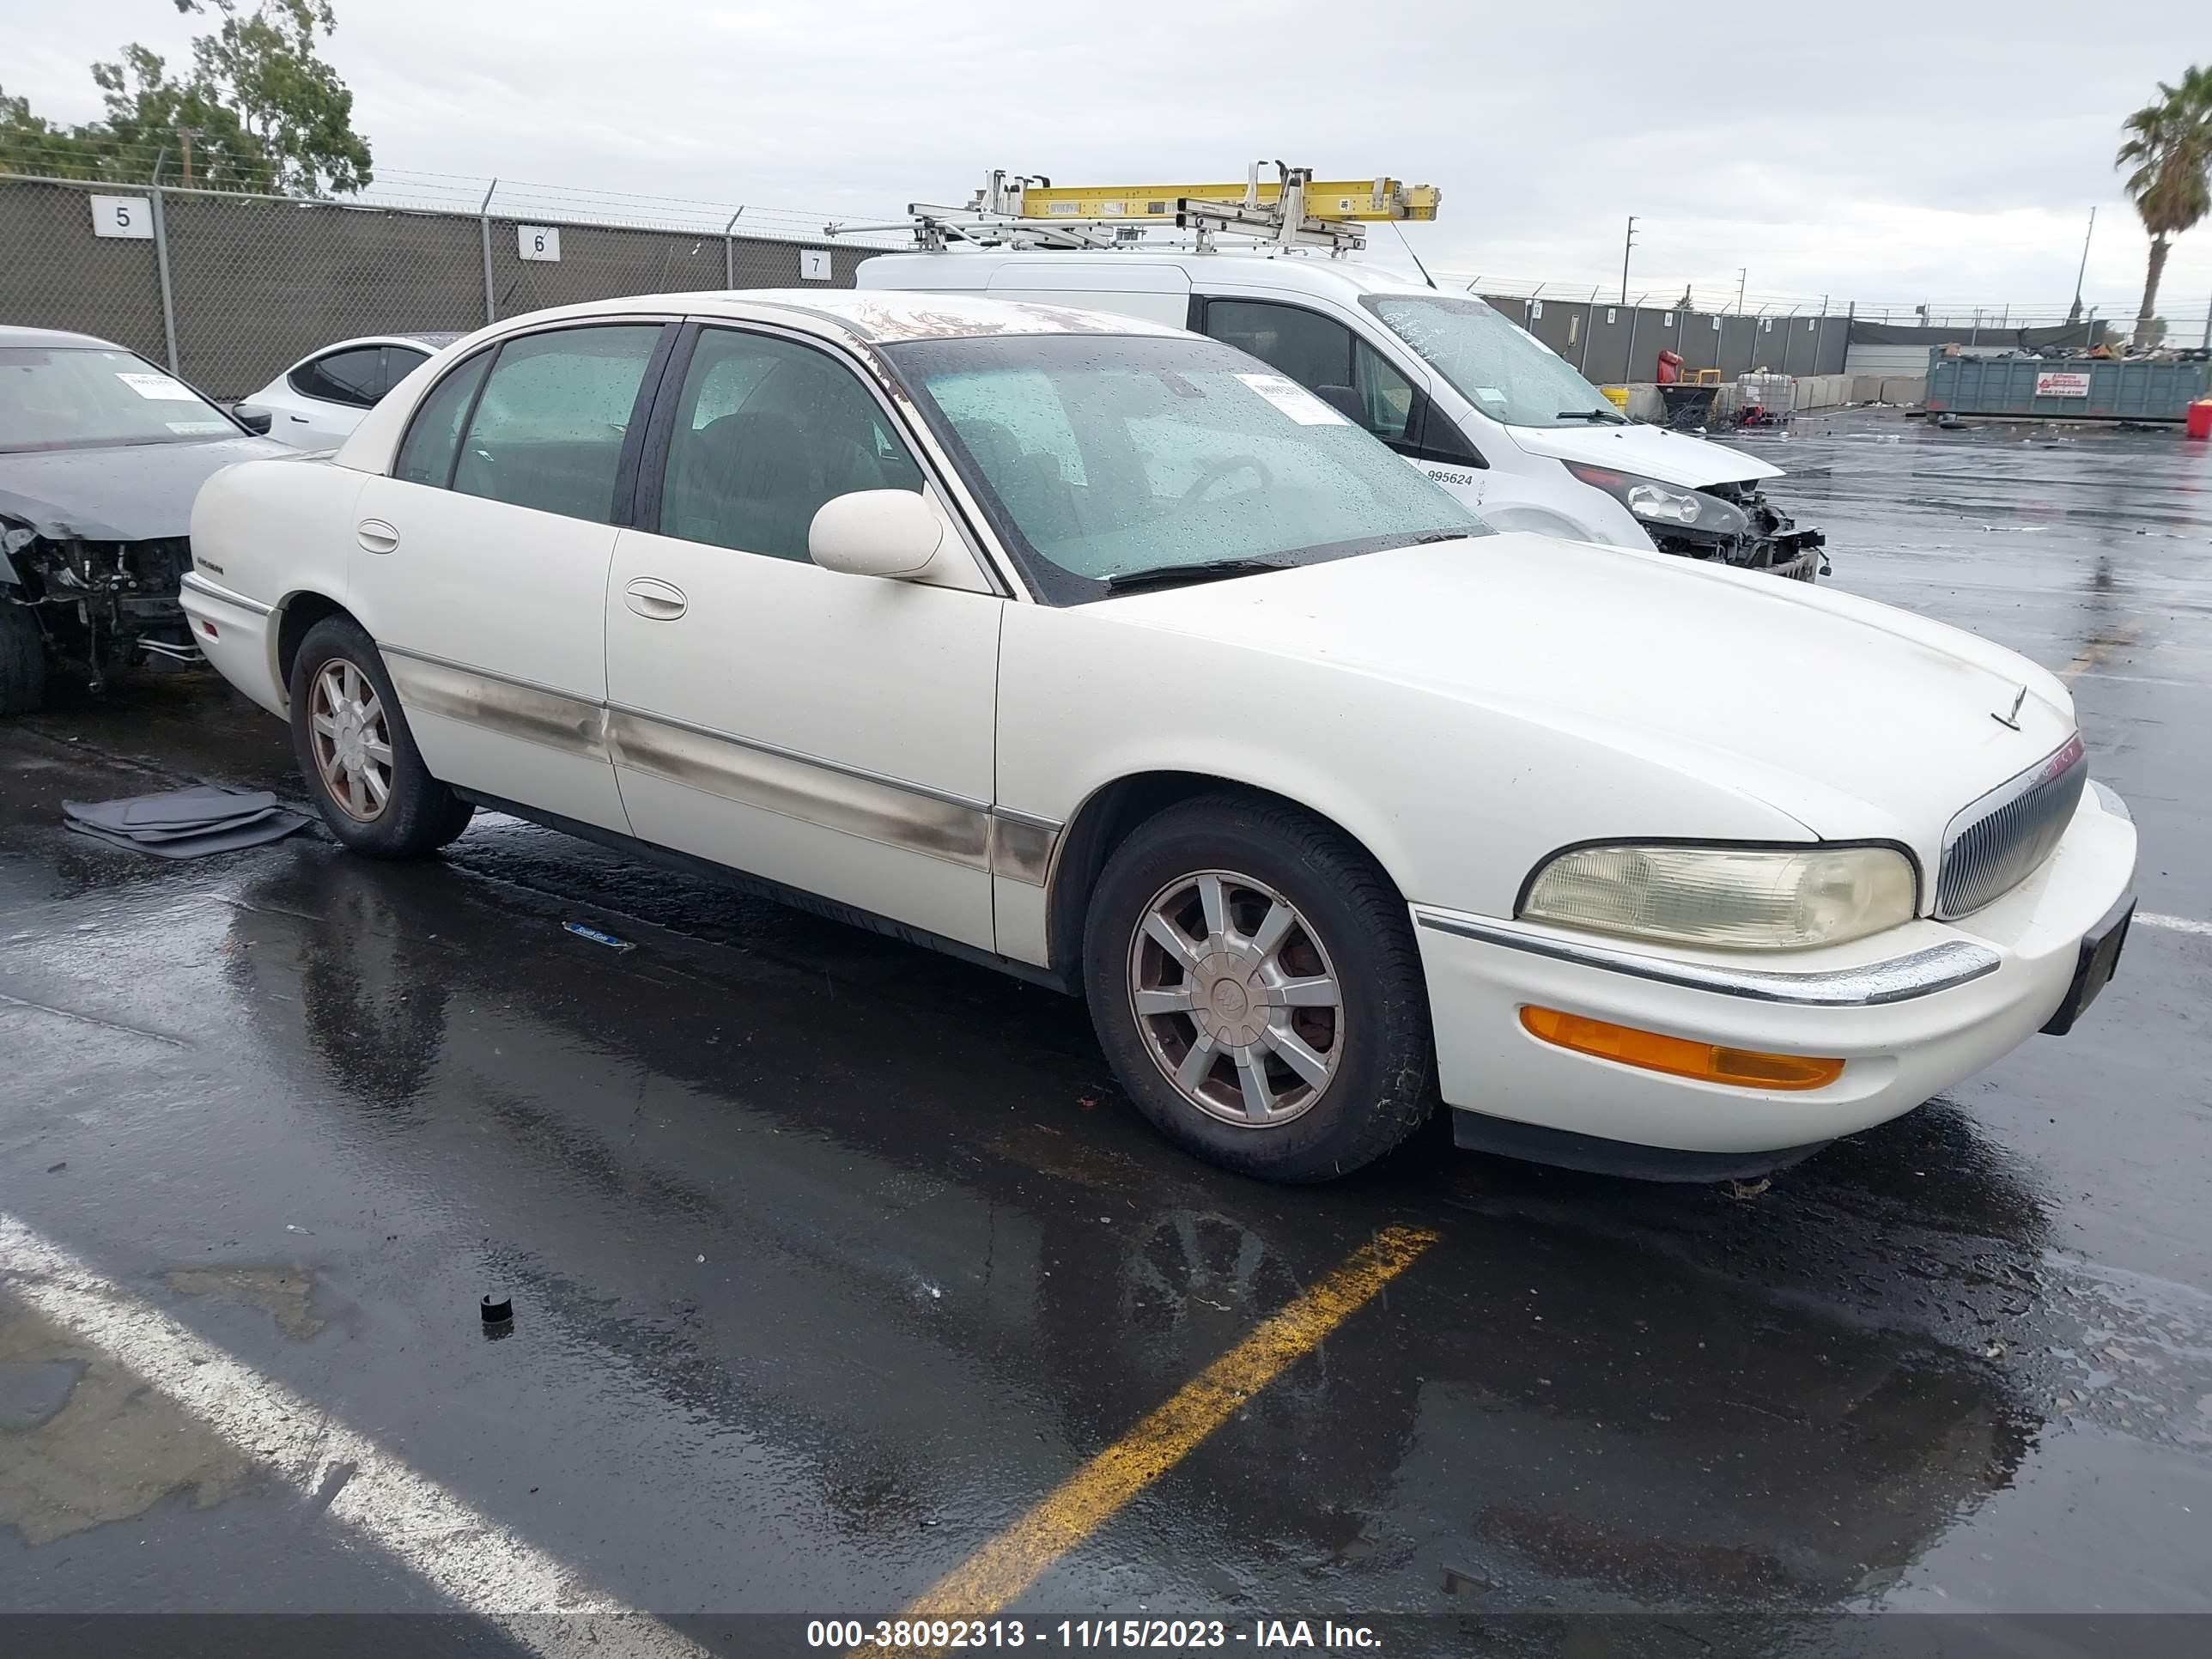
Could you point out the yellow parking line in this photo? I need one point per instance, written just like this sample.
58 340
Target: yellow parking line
1012 1562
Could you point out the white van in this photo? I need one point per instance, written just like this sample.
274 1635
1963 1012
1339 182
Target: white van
1477 401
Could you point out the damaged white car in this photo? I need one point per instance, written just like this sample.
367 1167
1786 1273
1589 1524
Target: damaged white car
1102 653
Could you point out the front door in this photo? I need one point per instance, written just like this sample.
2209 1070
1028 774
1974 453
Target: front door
483 565
827 732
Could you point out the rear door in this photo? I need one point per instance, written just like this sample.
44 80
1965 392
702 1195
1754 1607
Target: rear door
483 563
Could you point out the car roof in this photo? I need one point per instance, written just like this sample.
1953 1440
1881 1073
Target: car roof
432 339
877 317
14 335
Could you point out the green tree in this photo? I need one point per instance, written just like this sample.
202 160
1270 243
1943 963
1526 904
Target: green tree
2169 148
260 110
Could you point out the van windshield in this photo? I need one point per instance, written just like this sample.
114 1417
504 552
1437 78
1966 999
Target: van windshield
1113 460
1497 366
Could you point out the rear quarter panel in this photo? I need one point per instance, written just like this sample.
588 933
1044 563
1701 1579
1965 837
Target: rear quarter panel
275 529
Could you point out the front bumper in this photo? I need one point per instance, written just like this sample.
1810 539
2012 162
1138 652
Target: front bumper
1911 1012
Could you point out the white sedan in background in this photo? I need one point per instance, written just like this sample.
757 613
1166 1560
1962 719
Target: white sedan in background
317 403
1101 652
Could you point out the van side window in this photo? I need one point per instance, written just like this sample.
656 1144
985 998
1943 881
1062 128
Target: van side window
1325 357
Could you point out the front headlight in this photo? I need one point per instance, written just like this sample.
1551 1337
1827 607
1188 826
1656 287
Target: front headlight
1664 505
1735 898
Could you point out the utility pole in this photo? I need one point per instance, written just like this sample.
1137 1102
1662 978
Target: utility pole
1742 276
2074 315
1624 247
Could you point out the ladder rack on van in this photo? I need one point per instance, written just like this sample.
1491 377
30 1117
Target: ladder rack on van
1290 211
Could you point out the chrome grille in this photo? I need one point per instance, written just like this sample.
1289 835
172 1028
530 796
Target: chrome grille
1999 841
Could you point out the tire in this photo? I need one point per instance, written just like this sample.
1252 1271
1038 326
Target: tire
1366 1079
22 660
417 814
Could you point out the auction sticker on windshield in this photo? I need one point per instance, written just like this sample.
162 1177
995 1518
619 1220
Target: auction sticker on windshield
160 387
1294 400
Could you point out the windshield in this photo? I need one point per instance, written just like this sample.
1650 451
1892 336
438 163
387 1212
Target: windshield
1103 455
1499 366
72 398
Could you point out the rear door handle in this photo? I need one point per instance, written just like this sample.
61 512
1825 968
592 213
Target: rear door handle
654 599
376 536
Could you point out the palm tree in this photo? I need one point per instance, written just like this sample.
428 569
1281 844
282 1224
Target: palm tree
2170 148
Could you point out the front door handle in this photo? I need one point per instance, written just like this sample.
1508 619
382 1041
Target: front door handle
654 599
376 536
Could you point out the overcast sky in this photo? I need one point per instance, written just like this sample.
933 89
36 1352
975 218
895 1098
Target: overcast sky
1882 153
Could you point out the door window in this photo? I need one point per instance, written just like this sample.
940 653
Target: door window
354 377
1323 356
767 430
425 454
548 431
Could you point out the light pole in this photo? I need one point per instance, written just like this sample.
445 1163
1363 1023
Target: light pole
2074 314
1742 276
1624 247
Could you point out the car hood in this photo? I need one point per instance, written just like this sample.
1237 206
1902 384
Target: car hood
120 493
1854 719
1673 458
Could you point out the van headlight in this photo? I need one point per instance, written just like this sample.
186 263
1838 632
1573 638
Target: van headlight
1725 897
1692 511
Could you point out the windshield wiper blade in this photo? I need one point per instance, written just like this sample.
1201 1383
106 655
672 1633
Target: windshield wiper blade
1164 575
1442 536
1608 417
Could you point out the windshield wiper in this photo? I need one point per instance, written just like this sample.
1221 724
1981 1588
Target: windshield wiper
1166 575
1608 416
1442 536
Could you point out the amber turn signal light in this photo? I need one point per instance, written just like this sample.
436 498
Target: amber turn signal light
1747 1068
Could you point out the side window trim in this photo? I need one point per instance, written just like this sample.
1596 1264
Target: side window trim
647 479
1425 410
642 411
468 414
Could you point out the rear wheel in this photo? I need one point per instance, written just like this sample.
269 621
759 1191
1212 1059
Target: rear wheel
22 660
356 753
1254 980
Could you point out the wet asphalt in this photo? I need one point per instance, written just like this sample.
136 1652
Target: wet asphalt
830 1257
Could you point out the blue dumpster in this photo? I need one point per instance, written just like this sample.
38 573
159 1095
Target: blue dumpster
2067 389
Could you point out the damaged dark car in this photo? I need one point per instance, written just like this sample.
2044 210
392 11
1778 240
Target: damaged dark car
101 453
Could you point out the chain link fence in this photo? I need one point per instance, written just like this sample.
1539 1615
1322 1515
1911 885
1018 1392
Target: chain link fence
229 289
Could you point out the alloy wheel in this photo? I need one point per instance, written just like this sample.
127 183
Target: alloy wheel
1238 1002
352 744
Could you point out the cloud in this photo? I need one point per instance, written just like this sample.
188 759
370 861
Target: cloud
1891 152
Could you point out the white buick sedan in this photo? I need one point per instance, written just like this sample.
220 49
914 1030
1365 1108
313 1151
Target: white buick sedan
1100 653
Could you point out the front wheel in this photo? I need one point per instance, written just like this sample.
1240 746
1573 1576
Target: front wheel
1254 980
356 753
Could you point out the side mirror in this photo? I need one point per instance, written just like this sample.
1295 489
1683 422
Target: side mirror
892 534
255 420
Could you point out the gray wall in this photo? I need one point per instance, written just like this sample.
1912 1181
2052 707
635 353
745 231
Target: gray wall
257 283
1616 345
